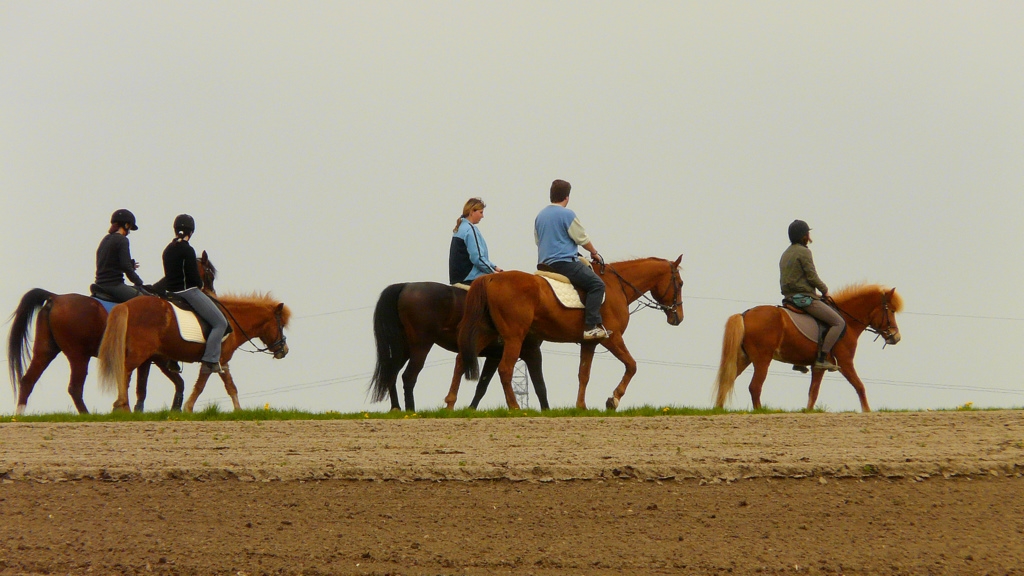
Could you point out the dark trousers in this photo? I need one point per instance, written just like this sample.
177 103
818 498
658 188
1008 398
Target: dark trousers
584 278
207 310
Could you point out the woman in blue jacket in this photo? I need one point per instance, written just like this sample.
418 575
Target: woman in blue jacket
467 257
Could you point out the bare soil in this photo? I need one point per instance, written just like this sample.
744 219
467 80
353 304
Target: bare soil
882 493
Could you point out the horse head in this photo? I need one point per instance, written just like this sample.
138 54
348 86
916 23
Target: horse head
668 293
883 318
273 336
208 272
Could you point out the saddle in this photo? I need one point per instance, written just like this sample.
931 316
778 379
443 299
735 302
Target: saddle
812 328
191 326
567 294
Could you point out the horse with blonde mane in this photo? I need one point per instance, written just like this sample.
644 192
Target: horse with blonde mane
766 333
146 326
73 324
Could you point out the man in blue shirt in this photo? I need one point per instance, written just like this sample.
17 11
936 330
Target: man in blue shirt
558 233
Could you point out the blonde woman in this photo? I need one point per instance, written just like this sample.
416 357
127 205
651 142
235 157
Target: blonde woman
467 257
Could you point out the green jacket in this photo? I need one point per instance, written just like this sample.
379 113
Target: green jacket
797 274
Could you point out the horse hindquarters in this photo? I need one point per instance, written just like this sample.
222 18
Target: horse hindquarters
392 348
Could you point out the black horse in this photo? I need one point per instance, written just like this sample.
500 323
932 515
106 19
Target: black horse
410 318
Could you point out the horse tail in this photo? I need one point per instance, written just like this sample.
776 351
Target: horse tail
469 329
112 349
731 349
392 347
18 354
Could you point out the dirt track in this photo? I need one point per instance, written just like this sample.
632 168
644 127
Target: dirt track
914 493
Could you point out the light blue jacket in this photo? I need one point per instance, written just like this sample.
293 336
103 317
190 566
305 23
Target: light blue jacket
468 244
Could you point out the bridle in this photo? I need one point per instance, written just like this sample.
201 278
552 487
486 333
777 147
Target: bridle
645 301
886 332
276 348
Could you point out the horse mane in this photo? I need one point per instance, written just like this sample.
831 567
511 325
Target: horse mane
847 293
256 299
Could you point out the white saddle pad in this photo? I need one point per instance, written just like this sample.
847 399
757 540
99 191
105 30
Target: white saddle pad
188 326
564 291
461 286
805 323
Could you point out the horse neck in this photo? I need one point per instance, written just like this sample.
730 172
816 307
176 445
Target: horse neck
860 309
250 317
642 274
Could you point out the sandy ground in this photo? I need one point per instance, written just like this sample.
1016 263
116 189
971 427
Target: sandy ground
892 493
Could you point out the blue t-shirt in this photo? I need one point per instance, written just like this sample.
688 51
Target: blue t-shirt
551 229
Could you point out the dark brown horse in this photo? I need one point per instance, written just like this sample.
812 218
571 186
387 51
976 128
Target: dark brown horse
410 318
72 324
145 327
766 333
513 305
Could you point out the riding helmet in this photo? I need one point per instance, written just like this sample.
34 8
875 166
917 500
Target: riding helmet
797 231
184 223
124 216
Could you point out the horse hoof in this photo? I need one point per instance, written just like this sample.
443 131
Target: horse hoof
612 403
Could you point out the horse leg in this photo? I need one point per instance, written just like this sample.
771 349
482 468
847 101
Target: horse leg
757 382
42 355
417 357
618 348
532 357
812 394
141 385
846 369
76 385
506 368
197 389
453 390
229 386
179 385
586 361
486 373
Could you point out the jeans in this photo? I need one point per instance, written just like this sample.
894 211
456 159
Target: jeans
207 310
584 278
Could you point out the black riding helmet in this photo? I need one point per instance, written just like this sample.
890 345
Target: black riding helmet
185 224
124 217
797 231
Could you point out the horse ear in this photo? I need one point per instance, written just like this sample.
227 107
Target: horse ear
205 258
678 260
280 308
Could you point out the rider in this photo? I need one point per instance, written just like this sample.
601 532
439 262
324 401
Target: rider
467 257
558 232
182 277
799 279
114 260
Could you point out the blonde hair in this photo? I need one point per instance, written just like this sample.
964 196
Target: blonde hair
471 205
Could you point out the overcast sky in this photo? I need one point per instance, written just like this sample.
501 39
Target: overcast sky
325 150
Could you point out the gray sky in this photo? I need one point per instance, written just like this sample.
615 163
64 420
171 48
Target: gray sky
326 149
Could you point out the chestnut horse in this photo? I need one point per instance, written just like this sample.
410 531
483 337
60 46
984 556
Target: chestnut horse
410 318
512 305
766 333
144 327
73 324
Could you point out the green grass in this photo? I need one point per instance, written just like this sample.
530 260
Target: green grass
215 414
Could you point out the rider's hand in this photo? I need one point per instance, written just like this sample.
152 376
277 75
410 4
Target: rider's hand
597 258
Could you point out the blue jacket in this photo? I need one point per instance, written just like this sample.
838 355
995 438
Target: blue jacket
467 257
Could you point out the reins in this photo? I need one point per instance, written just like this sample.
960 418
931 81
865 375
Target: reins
273 348
867 326
645 301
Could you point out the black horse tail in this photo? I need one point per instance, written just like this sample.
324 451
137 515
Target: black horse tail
392 348
473 317
18 354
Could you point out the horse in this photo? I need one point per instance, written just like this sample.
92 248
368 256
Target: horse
146 326
766 333
73 324
512 305
409 319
